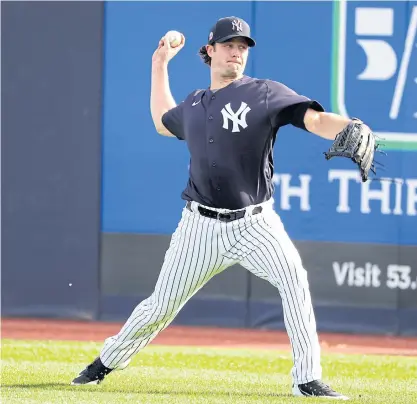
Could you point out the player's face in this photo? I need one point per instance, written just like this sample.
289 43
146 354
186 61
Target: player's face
229 59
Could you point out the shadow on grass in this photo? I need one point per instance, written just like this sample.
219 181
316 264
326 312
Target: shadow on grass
97 389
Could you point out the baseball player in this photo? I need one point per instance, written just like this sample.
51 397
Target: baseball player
228 218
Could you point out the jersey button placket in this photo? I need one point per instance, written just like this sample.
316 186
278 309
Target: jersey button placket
211 140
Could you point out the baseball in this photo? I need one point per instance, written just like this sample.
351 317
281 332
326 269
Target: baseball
174 38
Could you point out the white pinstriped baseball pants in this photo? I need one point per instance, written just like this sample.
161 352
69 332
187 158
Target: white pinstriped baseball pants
202 247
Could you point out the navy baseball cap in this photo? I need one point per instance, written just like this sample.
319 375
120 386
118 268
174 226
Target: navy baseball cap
228 28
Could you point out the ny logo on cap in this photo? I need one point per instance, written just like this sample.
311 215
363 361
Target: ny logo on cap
237 25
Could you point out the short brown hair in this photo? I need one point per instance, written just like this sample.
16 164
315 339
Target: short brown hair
204 55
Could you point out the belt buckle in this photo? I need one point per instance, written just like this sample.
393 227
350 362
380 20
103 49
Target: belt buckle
224 217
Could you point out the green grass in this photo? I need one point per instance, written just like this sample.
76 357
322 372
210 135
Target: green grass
40 372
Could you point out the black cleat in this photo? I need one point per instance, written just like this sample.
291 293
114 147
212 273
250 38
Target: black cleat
318 389
93 374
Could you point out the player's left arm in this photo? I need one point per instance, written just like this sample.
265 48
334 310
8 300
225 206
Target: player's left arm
351 138
325 124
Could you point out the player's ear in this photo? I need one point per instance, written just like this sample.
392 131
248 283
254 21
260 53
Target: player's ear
210 49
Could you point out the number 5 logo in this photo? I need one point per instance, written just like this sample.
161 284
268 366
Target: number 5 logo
375 68
381 57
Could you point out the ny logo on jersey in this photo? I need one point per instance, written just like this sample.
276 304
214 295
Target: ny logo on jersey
237 25
237 118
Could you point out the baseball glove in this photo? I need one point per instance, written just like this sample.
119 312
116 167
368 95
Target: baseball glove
356 142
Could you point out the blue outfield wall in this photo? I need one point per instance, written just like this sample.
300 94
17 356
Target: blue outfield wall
355 58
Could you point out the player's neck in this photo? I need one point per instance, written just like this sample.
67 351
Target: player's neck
221 82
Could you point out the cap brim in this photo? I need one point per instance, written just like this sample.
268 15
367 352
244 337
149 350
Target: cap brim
251 42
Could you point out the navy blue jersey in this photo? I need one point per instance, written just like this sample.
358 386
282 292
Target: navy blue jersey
230 135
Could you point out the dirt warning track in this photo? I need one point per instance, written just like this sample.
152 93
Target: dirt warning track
45 329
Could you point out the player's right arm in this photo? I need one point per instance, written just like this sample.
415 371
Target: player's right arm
162 100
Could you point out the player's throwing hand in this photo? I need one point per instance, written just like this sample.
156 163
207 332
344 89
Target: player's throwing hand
165 52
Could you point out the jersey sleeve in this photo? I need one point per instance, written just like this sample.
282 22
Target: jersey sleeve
285 106
173 120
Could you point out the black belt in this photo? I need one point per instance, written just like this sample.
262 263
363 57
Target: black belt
224 217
